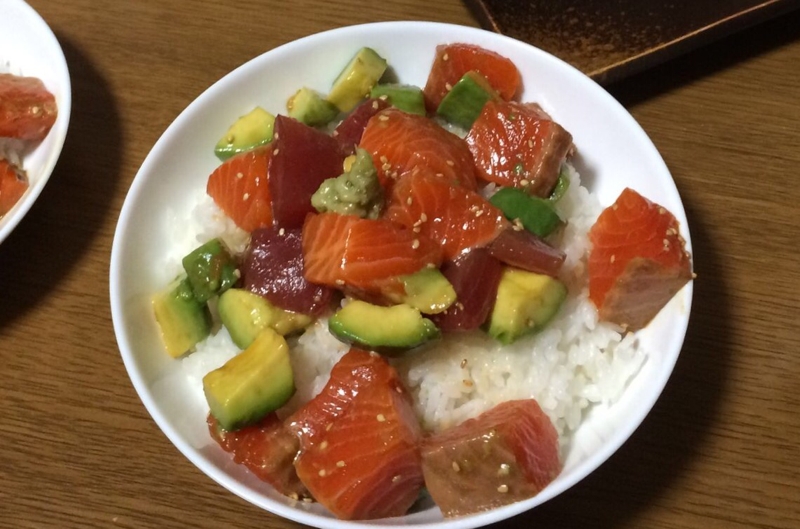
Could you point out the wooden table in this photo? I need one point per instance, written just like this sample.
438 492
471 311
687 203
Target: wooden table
720 449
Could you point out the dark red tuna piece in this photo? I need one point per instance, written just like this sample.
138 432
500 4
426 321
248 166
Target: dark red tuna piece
273 268
302 158
505 455
349 131
474 276
525 250
27 109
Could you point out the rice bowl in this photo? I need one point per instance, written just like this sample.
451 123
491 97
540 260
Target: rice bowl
613 153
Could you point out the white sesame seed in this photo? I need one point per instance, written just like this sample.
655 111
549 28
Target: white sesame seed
239 175
448 86
383 118
276 151
396 478
423 217
375 104
322 473
415 244
502 489
613 258
323 445
456 467
451 163
524 182
409 201
381 418
281 232
445 57
246 196
505 469
340 464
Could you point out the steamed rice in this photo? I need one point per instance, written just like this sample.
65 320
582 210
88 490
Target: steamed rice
573 364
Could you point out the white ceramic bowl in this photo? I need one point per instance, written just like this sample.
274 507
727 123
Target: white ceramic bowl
29 47
614 153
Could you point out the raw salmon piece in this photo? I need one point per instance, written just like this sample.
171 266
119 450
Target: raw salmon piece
267 449
344 250
240 188
453 216
512 145
359 441
13 184
27 109
400 143
452 61
507 454
638 260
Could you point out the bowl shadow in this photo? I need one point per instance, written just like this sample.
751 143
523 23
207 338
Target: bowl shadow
67 218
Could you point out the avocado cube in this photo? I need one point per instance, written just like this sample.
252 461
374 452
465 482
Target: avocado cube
210 269
464 102
183 321
407 98
245 314
357 79
383 329
309 107
525 303
246 133
428 291
537 215
257 381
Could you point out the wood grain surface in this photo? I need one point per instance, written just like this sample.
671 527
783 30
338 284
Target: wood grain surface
720 448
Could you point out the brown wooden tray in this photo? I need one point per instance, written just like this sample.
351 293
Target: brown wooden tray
611 39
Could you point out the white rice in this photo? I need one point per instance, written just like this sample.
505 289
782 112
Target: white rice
575 363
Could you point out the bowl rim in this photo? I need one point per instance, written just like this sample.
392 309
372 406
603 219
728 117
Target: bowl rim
235 486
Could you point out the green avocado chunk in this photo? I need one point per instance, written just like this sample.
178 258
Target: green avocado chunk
311 108
257 381
210 269
248 132
537 215
384 329
182 319
356 192
246 314
357 79
428 291
464 102
525 303
407 98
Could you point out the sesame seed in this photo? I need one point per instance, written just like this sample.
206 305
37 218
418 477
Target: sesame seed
456 467
375 105
275 136
323 445
415 244
246 196
479 213
613 258
281 232
384 97
524 182
398 389
328 427
237 273
340 464
339 282
463 363
440 175
384 159
335 133
239 175
308 500
383 118
502 489
322 473
448 86
423 217
459 305
505 469
381 418
661 211
396 478
416 229
451 163
294 496
445 57
35 110
276 151
409 201
530 144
